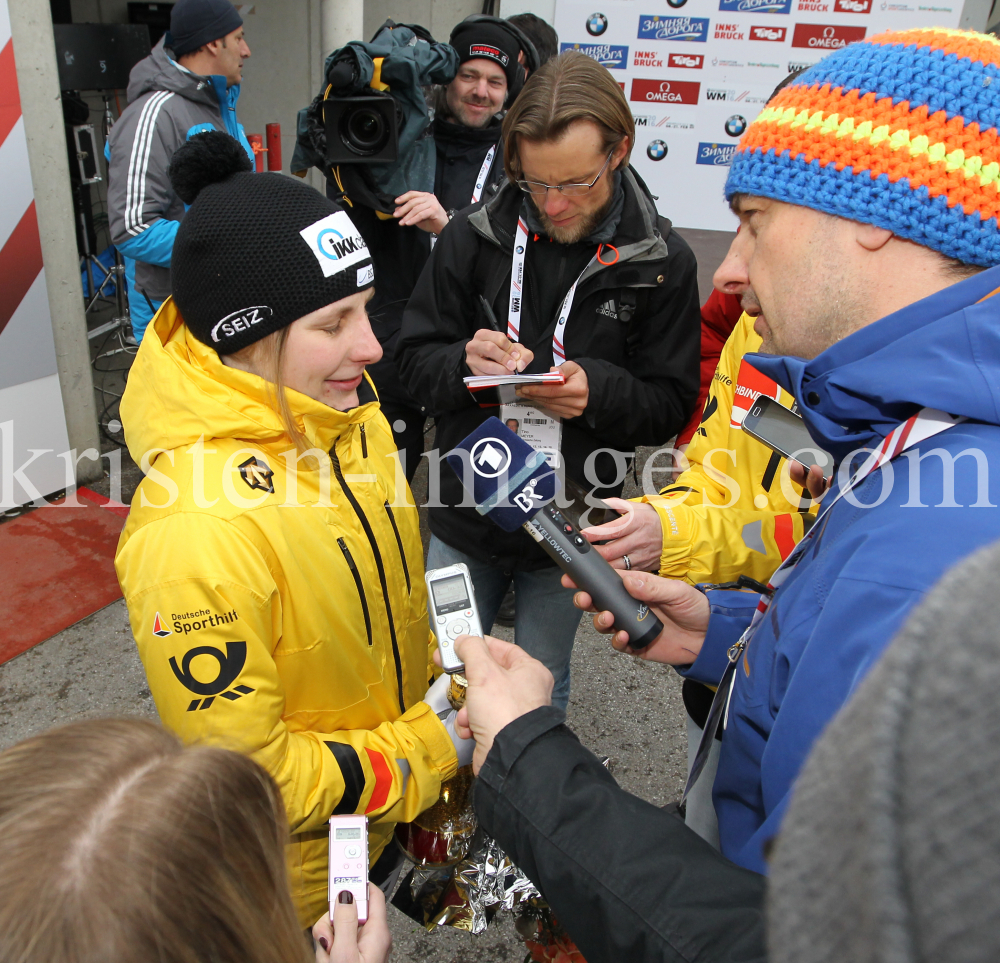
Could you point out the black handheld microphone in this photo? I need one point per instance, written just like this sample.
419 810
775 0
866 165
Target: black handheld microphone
513 486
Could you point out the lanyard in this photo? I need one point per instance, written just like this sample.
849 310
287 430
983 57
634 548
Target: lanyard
483 171
919 427
517 282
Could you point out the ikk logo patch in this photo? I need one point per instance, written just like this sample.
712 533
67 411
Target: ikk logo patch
607 55
772 34
691 29
335 243
665 91
826 36
686 61
160 629
750 385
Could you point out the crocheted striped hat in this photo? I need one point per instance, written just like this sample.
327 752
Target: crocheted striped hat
899 130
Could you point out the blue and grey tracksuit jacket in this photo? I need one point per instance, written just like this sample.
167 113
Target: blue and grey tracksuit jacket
167 105
865 567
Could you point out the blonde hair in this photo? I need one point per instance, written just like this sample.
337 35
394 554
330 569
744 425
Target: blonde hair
118 844
265 357
566 89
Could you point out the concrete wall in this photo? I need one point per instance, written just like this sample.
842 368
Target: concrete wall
38 80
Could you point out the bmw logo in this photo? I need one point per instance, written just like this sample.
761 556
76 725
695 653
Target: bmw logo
676 3
657 150
520 249
597 23
735 125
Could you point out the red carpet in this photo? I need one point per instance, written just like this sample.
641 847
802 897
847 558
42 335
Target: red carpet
56 567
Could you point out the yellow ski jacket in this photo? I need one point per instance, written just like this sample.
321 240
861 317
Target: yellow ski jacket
280 609
734 511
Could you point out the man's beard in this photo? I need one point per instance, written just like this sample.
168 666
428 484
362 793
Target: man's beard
585 226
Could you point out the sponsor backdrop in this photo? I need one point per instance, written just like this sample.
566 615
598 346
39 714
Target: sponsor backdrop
32 421
696 72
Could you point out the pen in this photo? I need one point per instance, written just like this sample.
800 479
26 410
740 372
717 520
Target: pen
491 320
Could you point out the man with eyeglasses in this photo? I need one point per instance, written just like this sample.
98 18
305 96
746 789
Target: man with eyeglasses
581 275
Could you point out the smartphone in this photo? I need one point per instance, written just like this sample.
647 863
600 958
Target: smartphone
452 602
349 862
785 432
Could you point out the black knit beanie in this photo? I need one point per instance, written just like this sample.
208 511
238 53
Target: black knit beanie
255 252
194 23
473 39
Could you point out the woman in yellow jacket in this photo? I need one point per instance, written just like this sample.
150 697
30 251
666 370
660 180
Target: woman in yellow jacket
272 562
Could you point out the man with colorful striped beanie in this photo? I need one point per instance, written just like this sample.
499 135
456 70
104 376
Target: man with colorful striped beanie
867 193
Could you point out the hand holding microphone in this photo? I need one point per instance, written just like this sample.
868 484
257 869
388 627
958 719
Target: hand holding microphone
512 485
681 608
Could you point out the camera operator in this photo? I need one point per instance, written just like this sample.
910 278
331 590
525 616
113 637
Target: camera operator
881 312
188 84
469 152
609 299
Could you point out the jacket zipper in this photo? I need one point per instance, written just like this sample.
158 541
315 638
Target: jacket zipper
399 542
361 589
364 442
356 505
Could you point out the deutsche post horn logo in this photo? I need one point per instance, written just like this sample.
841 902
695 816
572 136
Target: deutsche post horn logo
231 664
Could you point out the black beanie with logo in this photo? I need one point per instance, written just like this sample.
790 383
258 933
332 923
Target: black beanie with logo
472 39
255 252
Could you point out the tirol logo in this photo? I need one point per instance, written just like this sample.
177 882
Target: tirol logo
665 91
693 29
240 321
229 665
257 474
825 36
491 53
735 125
774 34
756 6
597 23
490 457
686 61
656 150
335 243
607 55
852 6
716 155
160 629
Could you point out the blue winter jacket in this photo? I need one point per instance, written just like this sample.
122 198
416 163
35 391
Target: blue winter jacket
865 568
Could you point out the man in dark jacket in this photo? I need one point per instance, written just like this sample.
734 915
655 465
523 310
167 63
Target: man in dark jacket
188 84
466 130
872 288
609 298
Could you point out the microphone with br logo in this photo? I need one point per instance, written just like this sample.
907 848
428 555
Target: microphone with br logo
514 486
